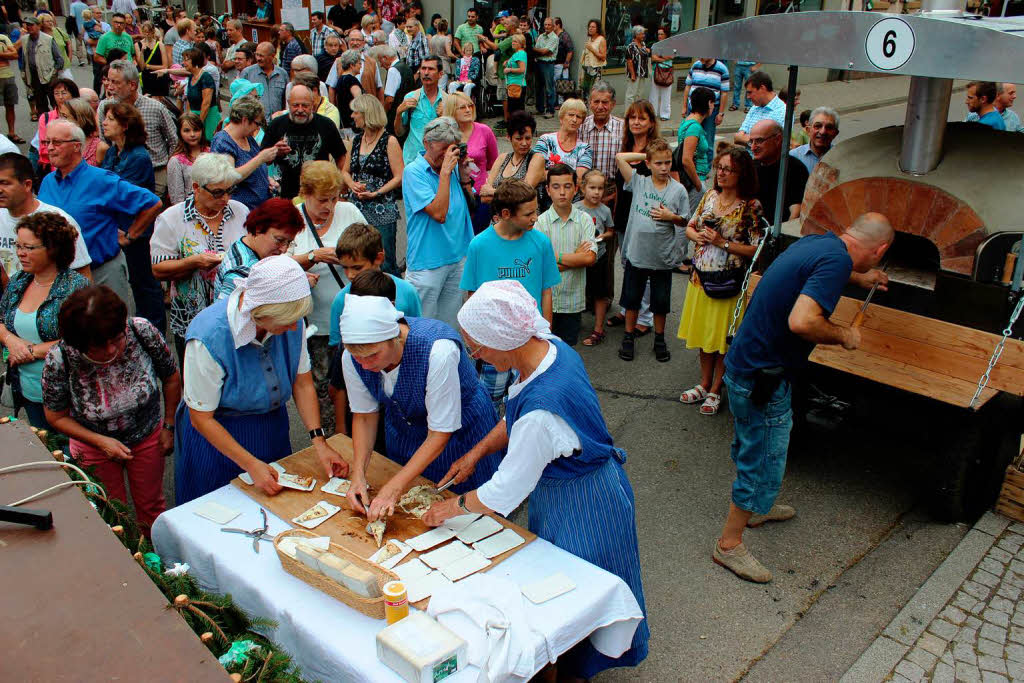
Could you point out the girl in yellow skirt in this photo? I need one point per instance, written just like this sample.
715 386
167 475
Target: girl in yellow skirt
725 228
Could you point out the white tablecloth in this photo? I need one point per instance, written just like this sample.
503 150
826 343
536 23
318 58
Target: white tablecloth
331 641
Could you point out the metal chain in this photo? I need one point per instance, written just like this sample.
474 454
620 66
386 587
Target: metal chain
983 382
746 283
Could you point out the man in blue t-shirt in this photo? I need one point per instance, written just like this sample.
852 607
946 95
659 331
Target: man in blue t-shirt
788 314
981 101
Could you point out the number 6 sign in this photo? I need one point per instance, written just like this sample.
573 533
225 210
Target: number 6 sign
889 43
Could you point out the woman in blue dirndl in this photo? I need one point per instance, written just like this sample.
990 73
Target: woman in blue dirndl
559 453
435 408
245 356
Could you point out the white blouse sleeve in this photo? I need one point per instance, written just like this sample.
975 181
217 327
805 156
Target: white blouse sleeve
304 364
360 400
444 392
204 377
537 438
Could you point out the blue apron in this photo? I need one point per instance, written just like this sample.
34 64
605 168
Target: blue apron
564 507
405 411
257 385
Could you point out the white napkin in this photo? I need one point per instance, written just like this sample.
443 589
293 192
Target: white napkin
490 614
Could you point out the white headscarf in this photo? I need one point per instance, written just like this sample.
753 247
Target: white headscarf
368 319
502 316
273 280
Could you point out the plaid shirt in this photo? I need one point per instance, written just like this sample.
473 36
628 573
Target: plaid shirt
569 295
161 131
289 52
318 38
180 45
604 143
418 50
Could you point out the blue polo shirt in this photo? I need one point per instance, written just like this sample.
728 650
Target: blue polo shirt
415 120
432 244
101 202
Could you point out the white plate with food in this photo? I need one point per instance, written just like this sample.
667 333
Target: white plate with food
337 487
316 515
428 540
390 554
499 543
480 529
296 481
446 554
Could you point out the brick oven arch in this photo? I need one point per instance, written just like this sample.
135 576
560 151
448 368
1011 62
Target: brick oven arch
912 207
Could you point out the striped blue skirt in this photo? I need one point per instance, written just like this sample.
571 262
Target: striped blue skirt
200 468
592 516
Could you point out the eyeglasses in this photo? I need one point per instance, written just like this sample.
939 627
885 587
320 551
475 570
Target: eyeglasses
761 141
725 169
282 241
28 247
474 353
219 194
57 143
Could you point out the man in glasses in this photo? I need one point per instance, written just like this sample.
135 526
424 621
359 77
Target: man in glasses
824 127
161 133
766 146
111 212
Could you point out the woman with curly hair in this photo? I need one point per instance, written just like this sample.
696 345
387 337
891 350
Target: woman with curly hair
725 228
127 155
31 303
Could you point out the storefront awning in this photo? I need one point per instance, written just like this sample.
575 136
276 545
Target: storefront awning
940 46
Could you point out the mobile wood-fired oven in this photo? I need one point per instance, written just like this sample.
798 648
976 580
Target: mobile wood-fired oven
952 192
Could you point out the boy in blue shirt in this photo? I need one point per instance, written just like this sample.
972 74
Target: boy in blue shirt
361 252
511 249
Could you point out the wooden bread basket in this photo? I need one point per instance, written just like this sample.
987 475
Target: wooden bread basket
371 607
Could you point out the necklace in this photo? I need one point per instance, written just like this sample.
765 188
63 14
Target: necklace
371 143
209 218
513 164
36 282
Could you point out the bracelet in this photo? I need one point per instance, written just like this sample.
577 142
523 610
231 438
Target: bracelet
559 258
32 350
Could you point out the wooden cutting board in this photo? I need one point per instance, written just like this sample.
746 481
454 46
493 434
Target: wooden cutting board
348 528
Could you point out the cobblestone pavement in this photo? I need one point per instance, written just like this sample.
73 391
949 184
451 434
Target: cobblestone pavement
972 628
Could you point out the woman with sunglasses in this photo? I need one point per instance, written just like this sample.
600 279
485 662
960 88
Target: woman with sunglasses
190 239
419 377
103 383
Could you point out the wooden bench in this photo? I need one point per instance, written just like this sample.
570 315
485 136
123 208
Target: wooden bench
922 355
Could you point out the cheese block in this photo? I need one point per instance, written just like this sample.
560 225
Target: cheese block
360 581
420 650
332 567
308 556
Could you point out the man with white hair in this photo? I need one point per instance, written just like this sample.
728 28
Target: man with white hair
301 136
398 83
435 184
161 131
787 316
112 212
824 125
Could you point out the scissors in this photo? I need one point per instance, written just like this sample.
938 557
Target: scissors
257 535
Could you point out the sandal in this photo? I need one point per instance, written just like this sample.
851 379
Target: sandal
733 108
710 405
594 339
16 139
661 352
615 321
695 395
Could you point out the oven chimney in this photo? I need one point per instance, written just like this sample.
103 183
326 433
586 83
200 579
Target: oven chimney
924 127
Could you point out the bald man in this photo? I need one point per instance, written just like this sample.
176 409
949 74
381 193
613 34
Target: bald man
273 78
787 316
301 136
766 146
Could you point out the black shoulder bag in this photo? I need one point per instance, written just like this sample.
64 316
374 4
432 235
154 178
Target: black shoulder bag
319 243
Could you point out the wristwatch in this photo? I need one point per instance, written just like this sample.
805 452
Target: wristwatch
726 247
461 502
319 431
311 256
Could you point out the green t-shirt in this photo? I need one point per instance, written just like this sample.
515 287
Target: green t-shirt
465 33
515 60
111 41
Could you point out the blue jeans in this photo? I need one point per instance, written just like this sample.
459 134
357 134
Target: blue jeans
740 74
760 443
547 91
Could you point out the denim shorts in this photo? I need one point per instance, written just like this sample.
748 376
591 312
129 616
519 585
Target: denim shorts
759 444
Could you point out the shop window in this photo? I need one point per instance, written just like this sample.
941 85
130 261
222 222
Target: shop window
678 16
781 6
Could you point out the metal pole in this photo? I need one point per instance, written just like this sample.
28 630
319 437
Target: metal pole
787 130
924 127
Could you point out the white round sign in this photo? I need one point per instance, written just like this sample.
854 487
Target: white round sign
889 43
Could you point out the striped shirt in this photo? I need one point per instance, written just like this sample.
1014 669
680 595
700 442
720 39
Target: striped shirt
318 38
715 78
774 110
604 142
569 295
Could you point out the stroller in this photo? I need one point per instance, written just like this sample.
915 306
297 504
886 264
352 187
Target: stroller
489 104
